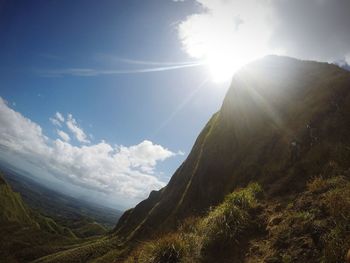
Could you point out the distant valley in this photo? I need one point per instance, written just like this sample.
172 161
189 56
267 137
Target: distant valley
66 210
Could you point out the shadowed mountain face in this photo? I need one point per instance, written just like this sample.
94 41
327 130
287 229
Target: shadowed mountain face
280 124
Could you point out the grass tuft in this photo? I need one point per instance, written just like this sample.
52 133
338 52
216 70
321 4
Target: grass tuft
199 239
223 226
171 248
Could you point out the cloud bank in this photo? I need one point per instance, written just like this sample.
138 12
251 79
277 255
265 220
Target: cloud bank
126 172
313 29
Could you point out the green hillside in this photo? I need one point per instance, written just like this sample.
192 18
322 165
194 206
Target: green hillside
26 234
12 208
65 210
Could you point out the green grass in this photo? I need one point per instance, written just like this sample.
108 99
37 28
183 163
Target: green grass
202 239
225 224
168 249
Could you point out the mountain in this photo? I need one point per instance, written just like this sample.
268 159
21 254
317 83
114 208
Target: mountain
267 179
281 122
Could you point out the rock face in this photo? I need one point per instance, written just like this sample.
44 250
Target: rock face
281 123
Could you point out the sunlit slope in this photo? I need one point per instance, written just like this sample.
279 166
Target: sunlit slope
281 122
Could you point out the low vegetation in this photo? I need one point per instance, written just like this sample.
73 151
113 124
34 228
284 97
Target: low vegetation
312 226
337 240
202 239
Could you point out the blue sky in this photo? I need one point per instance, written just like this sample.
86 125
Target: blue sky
166 107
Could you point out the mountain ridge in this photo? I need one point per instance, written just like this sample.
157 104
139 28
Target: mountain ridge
254 122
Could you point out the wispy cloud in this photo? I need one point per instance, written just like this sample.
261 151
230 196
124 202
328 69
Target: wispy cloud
64 136
91 72
77 131
57 120
151 63
59 116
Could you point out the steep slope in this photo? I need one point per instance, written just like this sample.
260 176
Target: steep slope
282 120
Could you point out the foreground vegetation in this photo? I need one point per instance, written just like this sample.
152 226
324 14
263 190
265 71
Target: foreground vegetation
221 232
313 226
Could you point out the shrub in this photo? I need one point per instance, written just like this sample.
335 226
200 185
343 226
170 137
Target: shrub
224 225
321 185
317 185
171 248
338 203
245 198
197 238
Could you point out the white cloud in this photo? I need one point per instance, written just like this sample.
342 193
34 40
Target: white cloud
76 130
55 122
20 134
64 136
226 30
59 117
145 155
126 172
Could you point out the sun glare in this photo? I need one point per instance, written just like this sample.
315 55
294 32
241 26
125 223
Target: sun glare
222 69
223 65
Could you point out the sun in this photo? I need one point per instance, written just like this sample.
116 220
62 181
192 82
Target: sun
222 65
222 69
